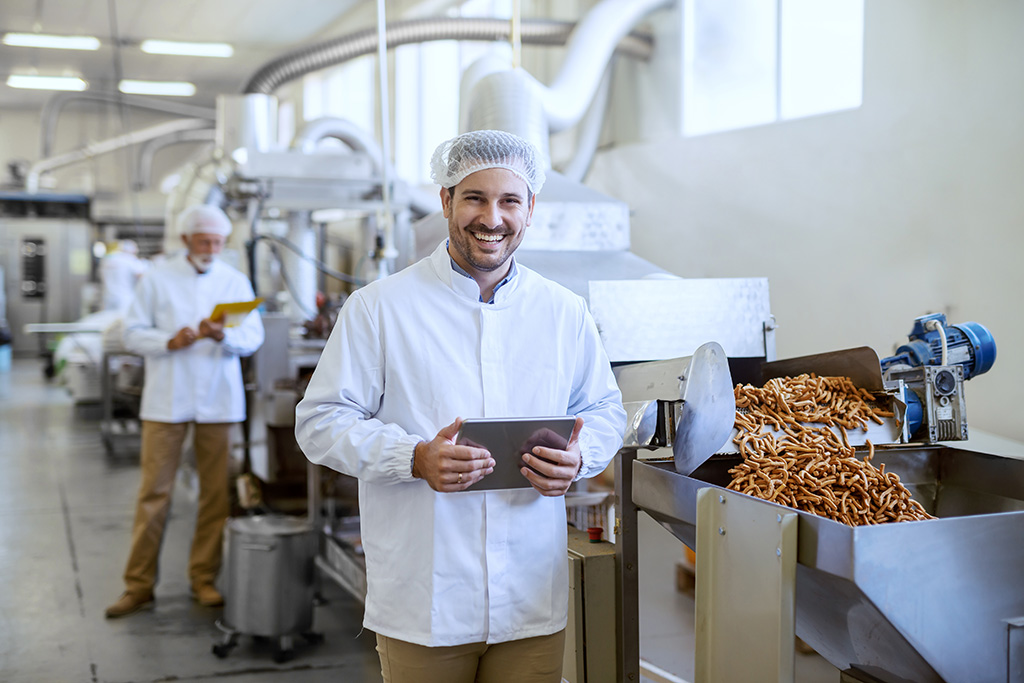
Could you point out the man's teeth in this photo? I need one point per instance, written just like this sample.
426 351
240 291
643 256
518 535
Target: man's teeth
488 238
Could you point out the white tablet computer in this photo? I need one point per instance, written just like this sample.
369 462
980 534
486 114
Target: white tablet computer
507 439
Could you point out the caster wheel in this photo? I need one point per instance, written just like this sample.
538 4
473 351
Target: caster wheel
313 638
221 650
282 656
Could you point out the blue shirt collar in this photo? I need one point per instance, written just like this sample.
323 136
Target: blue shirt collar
508 278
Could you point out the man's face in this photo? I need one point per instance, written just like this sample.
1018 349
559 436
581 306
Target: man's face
487 218
203 248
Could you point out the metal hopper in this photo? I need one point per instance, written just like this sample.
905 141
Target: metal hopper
934 600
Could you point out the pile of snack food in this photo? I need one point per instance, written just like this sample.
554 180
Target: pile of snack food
794 457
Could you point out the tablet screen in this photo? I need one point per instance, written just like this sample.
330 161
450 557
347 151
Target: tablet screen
507 439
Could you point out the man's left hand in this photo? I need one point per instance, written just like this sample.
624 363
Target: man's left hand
212 329
557 468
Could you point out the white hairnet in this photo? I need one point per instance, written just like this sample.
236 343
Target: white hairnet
205 219
128 246
468 153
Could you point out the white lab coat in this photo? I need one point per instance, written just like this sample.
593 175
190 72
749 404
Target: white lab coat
203 382
408 355
119 273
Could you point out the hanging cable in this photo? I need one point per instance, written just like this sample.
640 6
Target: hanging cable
323 268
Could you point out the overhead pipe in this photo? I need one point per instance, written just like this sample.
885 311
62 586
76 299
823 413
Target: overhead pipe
55 105
312 58
147 152
587 56
107 146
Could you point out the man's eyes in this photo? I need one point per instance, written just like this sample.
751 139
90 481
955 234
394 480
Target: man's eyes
481 200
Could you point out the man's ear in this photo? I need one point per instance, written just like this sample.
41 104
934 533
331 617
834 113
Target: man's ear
184 240
529 213
446 202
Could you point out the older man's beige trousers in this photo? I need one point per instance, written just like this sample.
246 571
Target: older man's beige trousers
160 457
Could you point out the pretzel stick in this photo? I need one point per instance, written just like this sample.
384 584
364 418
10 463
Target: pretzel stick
805 464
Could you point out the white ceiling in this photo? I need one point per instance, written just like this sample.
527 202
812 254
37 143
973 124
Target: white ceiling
260 30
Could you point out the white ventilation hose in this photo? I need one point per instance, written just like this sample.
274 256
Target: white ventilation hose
587 55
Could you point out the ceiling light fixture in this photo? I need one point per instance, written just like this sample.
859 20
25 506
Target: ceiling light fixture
173 47
72 83
50 41
169 88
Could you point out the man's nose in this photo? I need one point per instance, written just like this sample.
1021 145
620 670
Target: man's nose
492 215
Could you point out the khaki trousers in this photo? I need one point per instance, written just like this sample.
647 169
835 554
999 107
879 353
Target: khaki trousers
160 457
531 660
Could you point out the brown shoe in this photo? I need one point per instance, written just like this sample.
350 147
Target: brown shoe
130 603
207 596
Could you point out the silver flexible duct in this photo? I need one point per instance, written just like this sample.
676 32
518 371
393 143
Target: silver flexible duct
298 63
147 152
55 105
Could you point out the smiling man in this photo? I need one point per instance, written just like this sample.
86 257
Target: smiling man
464 586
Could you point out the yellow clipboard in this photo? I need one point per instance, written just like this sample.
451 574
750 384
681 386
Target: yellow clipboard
233 313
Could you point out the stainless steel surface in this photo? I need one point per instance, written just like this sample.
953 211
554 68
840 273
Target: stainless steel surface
570 216
269 575
708 411
915 601
678 315
860 364
685 403
642 421
656 379
66 264
746 578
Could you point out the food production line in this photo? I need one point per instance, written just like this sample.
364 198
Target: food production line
933 600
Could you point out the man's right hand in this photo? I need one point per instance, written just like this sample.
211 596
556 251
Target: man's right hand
185 337
448 467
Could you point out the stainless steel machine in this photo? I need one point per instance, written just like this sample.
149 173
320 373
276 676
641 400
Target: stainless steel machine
932 600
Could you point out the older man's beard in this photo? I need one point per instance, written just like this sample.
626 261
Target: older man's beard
202 262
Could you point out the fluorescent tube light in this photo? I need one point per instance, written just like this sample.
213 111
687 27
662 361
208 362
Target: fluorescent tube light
50 41
173 47
170 88
47 82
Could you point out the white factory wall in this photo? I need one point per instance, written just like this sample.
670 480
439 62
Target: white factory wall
865 219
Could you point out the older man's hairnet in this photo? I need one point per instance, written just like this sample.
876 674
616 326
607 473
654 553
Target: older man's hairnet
482 149
204 218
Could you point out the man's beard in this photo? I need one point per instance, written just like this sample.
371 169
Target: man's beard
202 262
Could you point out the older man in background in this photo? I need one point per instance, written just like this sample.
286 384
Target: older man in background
193 377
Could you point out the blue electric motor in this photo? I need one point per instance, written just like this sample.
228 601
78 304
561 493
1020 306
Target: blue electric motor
969 345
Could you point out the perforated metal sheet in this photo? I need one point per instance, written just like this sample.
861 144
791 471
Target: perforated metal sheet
642 320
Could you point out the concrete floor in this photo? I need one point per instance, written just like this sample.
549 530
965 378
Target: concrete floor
66 510
65 517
